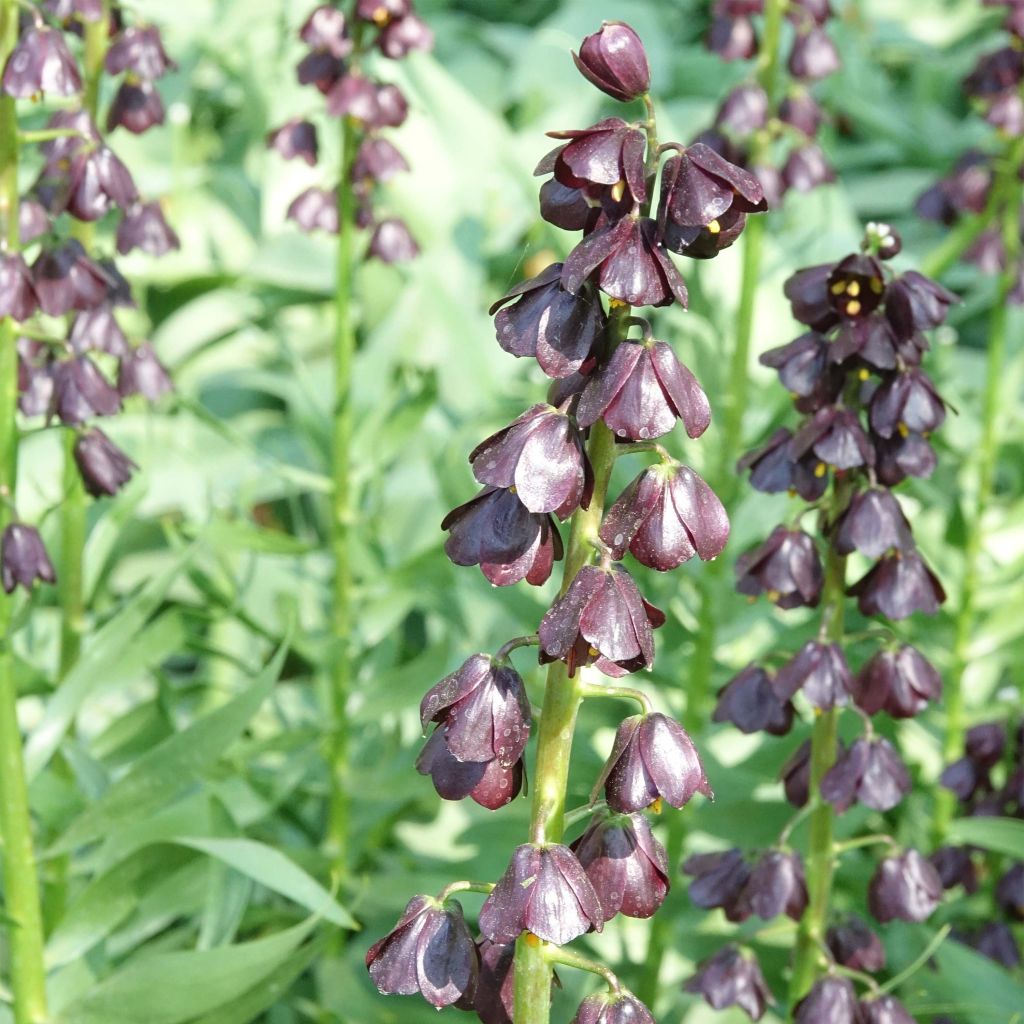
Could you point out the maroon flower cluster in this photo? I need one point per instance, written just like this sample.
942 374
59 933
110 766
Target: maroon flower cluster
537 473
970 187
337 44
79 370
775 140
868 409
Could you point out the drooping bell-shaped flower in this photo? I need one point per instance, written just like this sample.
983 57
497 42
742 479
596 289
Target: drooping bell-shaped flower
610 154
401 36
17 295
776 886
41 63
98 182
899 585
870 772
97 330
744 110
488 783
795 775
80 392
786 567
392 242
818 670
835 436
915 303
750 702
955 866
900 682
614 59
140 50
544 891
873 524
813 56
141 373
493 999
1010 892
137 106
104 468
905 887
315 209
66 279
855 945
773 470
653 759
144 227
295 139
718 881
612 1008
907 403
23 559
830 999
732 978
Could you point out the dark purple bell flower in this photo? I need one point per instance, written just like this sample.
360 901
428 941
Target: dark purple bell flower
81 392
600 618
35 378
59 152
493 998
1009 891
820 671
65 10
541 455
836 437
497 532
544 891
104 468
718 881
23 560
612 1008
41 63
610 153
904 887
141 373
664 517
545 321
749 702
488 783
853 944
806 168
119 291
801 111
873 524
97 182
33 220
809 297
354 96
630 264
316 209
995 72
884 1010
963 777
144 227
856 286
744 111
137 106
900 682
641 392
566 208
613 59
773 470
871 773
802 364
17 295
429 951
392 242
732 38
832 1000
140 50
996 941
653 759
776 886
915 303
813 56
380 12
906 403
377 160
786 568
625 863
320 69
392 107
484 711
65 279
955 866
796 775
899 585
403 35
985 743
705 243
732 978
900 457
817 11
871 341
97 330
295 138
326 31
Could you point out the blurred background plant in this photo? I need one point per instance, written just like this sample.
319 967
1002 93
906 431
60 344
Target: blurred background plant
191 773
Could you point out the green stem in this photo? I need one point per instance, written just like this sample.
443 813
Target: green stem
570 958
618 693
1008 191
562 698
21 882
341 511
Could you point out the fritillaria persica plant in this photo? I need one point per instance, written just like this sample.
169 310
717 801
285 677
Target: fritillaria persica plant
867 412
339 42
615 390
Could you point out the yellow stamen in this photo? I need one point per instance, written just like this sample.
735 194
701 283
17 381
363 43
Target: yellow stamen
617 304
864 374
618 190
512 489
820 470
381 16
773 595
655 808
903 429
714 227
593 652
876 285
838 288
853 289
852 307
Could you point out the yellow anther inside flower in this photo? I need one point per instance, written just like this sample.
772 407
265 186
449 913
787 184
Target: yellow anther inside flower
820 469
593 652
381 16
655 808
617 304
714 228
852 307
838 288
863 374
876 285
618 190
773 595
512 489
903 429
853 289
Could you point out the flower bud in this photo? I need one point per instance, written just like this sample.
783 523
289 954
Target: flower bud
429 951
786 567
23 558
871 773
104 468
732 978
749 701
905 887
853 944
830 999
545 892
652 759
612 1008
614 59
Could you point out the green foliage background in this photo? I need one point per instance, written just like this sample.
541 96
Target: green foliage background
176 772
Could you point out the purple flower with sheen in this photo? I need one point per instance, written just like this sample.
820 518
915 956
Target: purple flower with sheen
907 403
97 330
904 887
613 59
835 436
652 759
377 160
392 242
66 279
23 560
830 999
749 701
609 154
806 168
853 944
141 373
718 881
796 775
17 295
955 866
401 36
773 469
495 986
97 182
641 392
137 106
612 1008
488 783
429 951
744 110
900 457
104 468
140 50
915 303
871 773
814 56
820 671
296 138
315 209
899 585
776 886
541 455
900 682
732 978
786 567
873 524
665 516
544 891
600 618
81 392
625 863
144 227
41 63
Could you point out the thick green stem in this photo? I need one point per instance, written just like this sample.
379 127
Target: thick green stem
341 501
986 458
562 698
21 882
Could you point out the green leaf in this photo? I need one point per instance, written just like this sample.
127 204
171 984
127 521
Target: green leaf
1001 835
173 765
274 870
171 988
